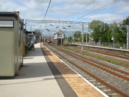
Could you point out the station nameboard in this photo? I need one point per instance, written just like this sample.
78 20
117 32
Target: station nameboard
6 23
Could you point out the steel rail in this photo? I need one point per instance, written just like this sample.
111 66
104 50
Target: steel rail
95 64
97 78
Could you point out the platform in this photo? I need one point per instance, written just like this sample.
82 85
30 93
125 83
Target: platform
41 78
35 79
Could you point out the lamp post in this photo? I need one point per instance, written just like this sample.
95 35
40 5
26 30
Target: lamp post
127 36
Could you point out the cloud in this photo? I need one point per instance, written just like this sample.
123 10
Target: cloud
109 18
123 7
67 9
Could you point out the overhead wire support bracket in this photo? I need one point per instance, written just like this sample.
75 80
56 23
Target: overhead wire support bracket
56 21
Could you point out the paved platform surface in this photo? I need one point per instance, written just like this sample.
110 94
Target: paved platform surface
35 79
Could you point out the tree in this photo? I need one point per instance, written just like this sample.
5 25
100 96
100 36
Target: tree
77 36
119 33
100 31
126 21
95 26
124 29
70 39
103 32
86 37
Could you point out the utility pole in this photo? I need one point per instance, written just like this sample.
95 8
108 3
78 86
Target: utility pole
127 36
82 37
87 34
73 38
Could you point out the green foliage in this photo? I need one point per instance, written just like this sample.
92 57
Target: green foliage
126 21
104 33
77 36
119 33
70 39
86 37
101 32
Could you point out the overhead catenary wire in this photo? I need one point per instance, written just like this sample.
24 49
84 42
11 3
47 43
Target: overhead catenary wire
88 14
47 8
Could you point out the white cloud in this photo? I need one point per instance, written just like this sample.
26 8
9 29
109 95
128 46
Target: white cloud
64 9
109 18
123 7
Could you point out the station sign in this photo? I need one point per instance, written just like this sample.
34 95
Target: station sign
6 23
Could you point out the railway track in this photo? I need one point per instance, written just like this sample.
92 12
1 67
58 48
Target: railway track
110 53
112 61
113 53
117 72
99 80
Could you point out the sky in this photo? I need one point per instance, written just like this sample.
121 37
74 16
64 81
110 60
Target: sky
74 10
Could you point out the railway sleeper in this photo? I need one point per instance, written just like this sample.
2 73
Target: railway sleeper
114 95
106 90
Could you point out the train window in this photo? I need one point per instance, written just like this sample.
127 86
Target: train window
6 23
